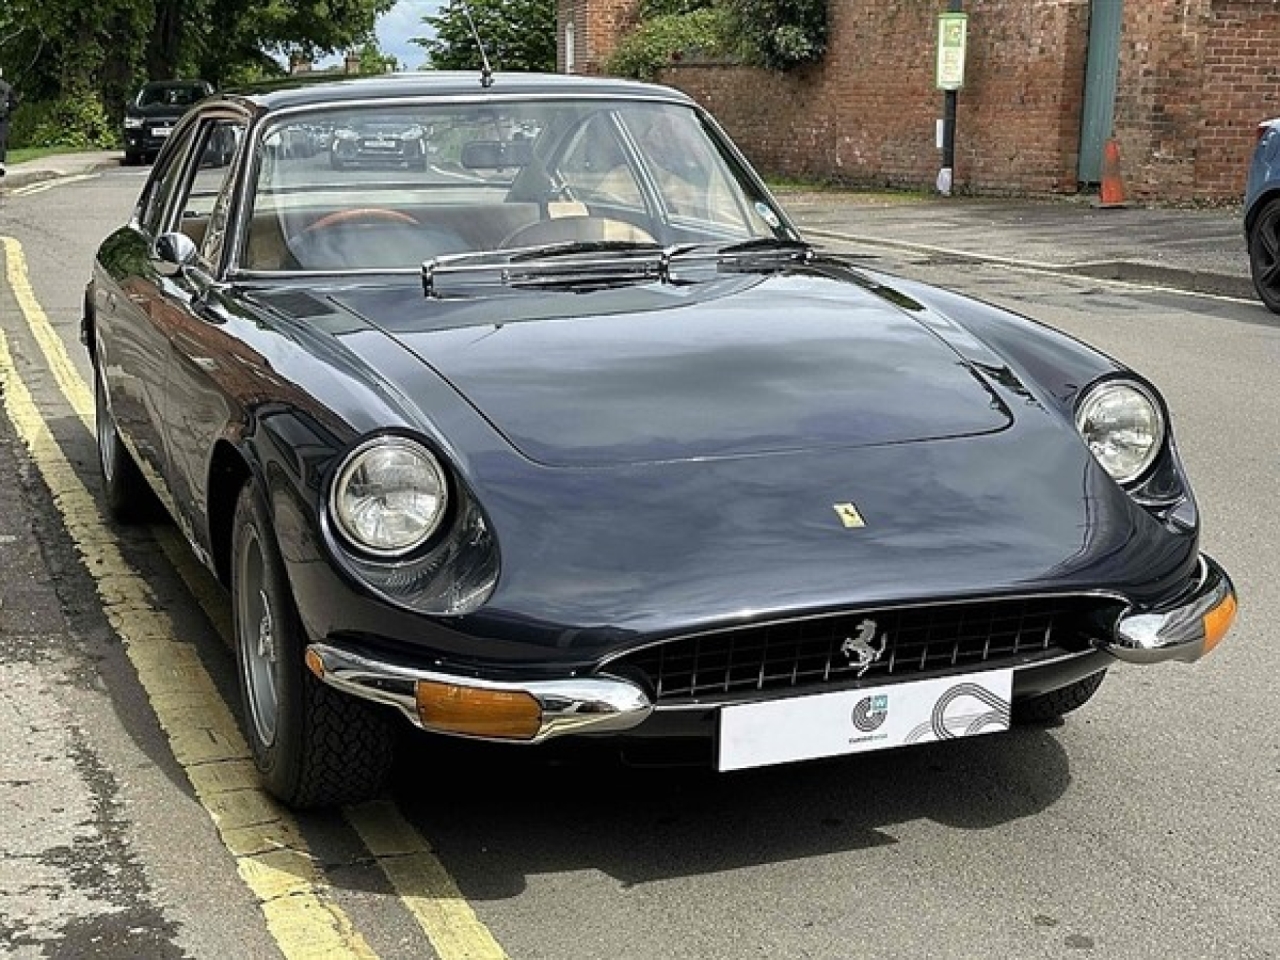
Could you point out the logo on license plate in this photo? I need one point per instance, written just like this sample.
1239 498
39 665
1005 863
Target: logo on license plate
870 713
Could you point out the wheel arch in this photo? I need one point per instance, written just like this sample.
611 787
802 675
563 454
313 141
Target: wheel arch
229 470
1259 204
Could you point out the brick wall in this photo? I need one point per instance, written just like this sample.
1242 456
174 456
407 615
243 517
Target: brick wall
1195 77
867 113
1240 86
597 27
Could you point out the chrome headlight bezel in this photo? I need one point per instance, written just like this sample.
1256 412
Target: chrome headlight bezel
1135 391
436 484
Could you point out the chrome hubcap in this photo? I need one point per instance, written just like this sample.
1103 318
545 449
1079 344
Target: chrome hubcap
259 662
266 643
106 429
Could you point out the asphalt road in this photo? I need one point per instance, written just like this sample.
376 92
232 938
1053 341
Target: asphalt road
1145 826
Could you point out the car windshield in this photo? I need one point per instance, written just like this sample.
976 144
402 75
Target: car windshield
171 94
389 188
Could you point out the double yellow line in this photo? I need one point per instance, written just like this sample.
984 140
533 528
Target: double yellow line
270 852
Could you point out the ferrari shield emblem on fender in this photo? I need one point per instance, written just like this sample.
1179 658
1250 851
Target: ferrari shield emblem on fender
849 515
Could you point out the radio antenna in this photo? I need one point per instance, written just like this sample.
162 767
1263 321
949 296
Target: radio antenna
486 72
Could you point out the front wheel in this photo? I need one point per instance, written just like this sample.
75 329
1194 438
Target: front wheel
1051 706
1264 255
313 746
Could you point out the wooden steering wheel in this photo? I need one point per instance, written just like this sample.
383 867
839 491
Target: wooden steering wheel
360 215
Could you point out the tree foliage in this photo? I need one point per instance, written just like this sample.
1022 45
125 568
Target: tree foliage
778 34
87 58
664 38
373 60
518 35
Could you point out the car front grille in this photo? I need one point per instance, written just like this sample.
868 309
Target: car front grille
871 645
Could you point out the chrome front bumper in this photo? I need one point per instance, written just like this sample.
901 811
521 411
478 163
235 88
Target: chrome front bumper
571 705
1184 631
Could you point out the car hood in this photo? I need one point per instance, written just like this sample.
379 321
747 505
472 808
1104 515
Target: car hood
596 431
737 368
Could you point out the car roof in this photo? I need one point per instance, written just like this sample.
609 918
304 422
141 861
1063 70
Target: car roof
334 89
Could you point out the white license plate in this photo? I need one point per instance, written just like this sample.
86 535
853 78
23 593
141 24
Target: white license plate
870 718
162 131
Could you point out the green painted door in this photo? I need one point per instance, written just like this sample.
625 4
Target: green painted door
1101 69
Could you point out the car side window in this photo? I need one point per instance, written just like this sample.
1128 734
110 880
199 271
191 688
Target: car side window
165 176
594 166
215 178
199 182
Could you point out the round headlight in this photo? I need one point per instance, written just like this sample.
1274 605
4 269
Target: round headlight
390 496
1123 426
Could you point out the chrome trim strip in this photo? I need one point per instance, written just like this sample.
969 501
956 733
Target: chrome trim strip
570 705
1176 632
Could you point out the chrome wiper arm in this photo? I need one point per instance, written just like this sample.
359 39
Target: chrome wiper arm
712 257
565 248
586 264
796 249
579 264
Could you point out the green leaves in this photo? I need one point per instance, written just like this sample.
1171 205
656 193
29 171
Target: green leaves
61 53
518 35
779 34
658 41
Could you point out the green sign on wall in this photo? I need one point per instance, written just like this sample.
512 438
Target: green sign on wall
953 29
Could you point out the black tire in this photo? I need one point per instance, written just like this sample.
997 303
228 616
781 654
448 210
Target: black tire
314 746
125 491
132 159
1051 706
1264 255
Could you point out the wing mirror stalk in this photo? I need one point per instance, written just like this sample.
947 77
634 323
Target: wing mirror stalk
175 254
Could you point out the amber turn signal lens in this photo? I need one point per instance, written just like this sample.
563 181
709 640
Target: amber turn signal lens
1217 621
477 712
314 663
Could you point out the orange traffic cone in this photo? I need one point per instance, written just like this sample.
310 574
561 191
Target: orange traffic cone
1111 191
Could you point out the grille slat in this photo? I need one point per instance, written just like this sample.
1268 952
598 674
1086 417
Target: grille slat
915 641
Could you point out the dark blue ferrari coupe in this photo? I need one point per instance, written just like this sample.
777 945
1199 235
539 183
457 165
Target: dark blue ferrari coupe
569 433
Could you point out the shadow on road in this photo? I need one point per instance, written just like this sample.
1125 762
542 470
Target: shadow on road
498 816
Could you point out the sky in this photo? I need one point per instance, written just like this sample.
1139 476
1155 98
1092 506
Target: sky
397 25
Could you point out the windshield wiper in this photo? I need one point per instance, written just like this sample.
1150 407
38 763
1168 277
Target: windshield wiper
590 264
580 264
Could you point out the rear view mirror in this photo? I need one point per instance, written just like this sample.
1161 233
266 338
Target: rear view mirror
496 154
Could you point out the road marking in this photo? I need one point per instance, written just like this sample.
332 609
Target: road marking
44 185
405 857
423 884
270 853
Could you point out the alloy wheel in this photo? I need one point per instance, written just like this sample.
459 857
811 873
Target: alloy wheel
257 635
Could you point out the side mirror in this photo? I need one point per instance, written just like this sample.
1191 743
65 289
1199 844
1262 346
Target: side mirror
173 253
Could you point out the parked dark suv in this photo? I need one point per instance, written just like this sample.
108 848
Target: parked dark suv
151 115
